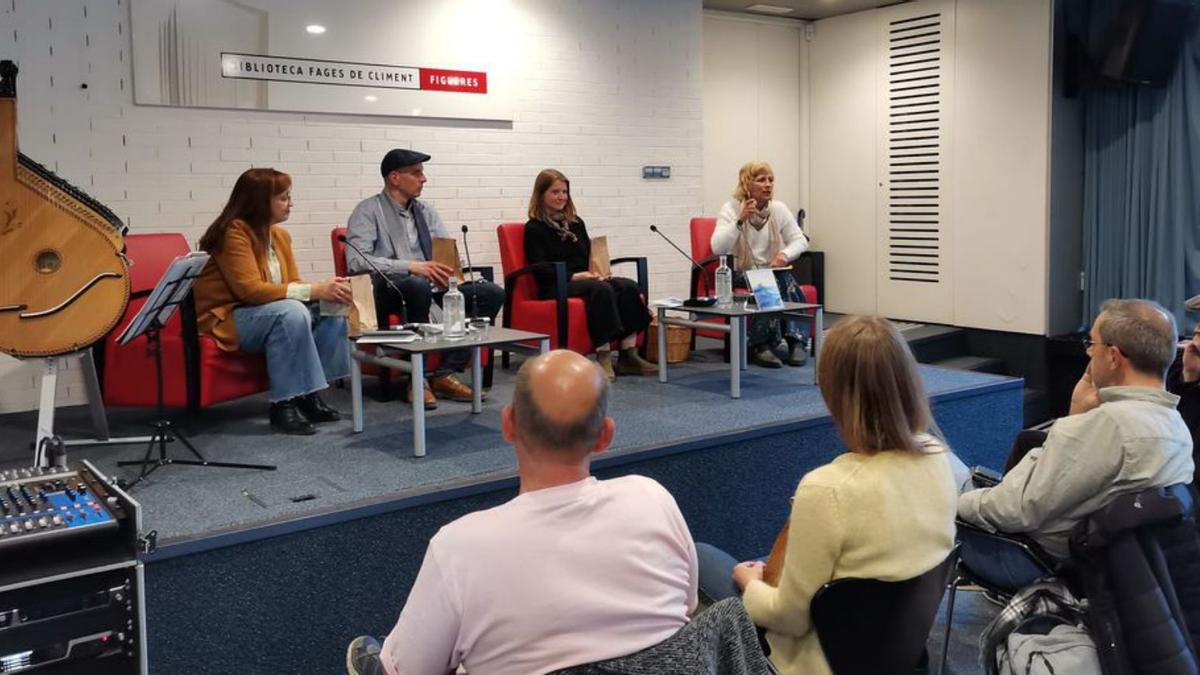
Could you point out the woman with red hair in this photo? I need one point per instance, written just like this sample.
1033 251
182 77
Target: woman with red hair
250 297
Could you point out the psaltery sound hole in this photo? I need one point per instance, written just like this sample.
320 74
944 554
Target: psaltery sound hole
47 261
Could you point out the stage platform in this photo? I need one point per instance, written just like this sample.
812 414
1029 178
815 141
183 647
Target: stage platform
338 474
274 572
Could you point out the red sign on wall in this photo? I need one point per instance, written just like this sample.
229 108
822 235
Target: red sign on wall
463 81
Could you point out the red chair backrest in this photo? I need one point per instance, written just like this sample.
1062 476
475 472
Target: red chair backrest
339 251
512 258
151 254
702 230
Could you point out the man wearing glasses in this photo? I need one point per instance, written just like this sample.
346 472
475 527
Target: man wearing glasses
1123 435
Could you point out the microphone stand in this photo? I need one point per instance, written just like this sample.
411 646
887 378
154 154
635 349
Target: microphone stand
693 301
467 250
379 272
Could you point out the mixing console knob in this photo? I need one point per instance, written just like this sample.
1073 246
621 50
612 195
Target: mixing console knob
43 522
29 525
57 520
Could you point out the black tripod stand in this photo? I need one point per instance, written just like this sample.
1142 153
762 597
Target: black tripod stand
165 432
167 295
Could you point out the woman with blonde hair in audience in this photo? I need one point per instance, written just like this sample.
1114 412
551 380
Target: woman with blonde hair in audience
882 510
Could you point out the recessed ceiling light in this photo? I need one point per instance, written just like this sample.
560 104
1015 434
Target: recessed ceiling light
769 9
315 29
369 98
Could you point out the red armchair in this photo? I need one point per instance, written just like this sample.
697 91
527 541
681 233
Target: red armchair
809 269
561 317
196 372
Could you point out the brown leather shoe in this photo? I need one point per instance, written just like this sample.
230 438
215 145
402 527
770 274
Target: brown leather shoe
430 399
448 386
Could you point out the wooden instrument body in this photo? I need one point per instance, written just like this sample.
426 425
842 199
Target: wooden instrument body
63 281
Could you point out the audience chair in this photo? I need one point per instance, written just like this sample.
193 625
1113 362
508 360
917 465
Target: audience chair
881 627
197 373
720 640
561 317
432 360
976 545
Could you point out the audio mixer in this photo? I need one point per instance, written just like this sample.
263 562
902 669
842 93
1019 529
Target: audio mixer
39 505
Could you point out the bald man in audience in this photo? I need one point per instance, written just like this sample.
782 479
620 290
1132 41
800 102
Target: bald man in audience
571 571
1123 435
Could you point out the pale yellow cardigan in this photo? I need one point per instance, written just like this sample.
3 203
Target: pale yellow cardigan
886 516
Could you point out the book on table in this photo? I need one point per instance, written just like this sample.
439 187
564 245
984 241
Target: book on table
765 289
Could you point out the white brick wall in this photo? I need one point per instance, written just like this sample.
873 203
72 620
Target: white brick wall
603 87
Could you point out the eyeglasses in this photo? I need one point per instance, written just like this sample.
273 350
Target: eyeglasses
1088 343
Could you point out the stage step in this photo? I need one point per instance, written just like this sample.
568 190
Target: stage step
931 343
979 364
1035 405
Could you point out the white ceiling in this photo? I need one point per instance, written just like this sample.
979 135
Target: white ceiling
804 9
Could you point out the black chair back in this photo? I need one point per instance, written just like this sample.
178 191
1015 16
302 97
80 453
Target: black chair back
879 627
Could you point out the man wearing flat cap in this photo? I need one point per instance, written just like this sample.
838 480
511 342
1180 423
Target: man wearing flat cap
396 231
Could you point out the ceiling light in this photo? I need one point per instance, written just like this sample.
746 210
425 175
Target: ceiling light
769 9
315 29
370 98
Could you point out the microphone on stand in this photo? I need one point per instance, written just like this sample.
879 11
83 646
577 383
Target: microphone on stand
693 301
467 250
395 289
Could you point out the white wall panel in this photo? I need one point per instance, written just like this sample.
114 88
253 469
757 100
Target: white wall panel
915 225
1001 164
752 105
842 106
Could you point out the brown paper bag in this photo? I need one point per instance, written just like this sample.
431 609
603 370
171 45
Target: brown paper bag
445 251
601 262
362 310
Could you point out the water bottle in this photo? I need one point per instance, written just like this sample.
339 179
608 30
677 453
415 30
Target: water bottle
454 313
724 277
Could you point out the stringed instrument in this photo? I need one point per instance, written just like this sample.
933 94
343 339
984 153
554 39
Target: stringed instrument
64 282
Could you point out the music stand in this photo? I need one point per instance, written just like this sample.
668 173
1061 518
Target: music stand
170 291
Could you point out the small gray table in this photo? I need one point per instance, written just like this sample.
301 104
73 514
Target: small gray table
417 349
737 315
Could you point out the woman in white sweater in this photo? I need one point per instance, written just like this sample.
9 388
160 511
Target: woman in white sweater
884 510
760 232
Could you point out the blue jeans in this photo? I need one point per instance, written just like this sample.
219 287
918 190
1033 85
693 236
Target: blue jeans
716 573
1000 564
304 350
768 330
481 298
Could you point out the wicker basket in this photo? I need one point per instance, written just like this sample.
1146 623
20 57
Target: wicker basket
679 343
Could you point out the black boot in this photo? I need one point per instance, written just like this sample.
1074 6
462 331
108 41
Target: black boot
315 409
286 417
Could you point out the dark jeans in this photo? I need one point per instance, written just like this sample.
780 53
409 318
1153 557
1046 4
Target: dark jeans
483 299
716 573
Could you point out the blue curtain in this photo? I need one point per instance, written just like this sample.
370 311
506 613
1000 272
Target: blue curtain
1141 210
